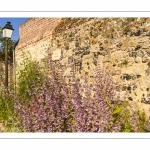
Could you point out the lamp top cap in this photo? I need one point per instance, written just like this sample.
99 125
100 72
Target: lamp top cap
8 26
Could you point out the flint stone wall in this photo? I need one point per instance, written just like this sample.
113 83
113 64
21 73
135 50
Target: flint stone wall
122 45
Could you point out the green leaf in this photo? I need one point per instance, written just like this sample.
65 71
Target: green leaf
127 130
117 110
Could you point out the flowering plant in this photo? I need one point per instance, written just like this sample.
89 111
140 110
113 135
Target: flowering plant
44 101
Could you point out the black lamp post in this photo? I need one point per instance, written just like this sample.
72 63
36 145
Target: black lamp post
7 33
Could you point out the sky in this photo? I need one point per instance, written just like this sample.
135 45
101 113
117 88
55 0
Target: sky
15 22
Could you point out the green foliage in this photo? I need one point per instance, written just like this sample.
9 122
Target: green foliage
29 76
131 119
126 29
71 34
2 56
125 62
4 107
117 110
125 115
11 44
7 114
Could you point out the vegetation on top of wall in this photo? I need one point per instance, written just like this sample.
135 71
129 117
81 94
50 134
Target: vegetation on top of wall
106 28
68 23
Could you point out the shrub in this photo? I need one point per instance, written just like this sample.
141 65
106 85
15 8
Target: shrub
41 101
45 102
7 112
45 105
132 118
95 114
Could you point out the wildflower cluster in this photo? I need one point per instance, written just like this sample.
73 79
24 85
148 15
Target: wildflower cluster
44 101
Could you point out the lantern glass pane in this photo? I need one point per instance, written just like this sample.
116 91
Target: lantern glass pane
7 33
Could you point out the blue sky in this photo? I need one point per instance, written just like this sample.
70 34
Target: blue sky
15 22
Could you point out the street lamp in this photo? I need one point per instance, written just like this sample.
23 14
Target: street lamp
7 33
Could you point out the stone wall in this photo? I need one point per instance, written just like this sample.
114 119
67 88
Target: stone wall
35 36
122 45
